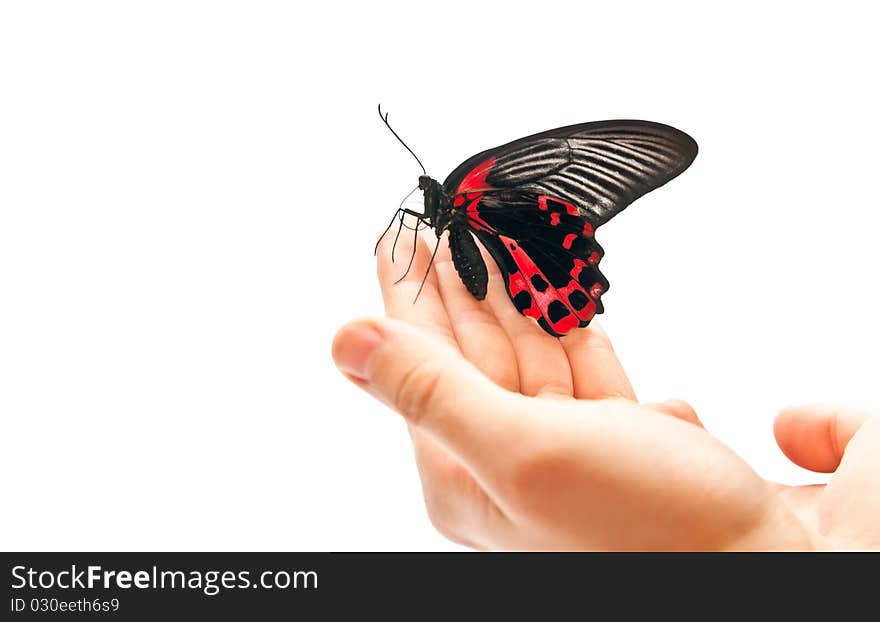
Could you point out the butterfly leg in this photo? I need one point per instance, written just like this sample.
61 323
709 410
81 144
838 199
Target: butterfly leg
398 214
384 233
420 220
415 246
397 236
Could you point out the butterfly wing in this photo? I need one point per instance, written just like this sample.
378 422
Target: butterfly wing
536 202
598 167
546 253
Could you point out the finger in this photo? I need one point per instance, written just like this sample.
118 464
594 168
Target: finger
429 382
595 369
433 462
428 310
453 499
542 366
815 436
678 409
480 336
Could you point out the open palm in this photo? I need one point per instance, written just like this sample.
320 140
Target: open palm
525 441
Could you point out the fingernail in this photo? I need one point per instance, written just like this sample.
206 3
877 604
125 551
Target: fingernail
354 347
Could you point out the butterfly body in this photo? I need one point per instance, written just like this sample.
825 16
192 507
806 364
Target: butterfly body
534 204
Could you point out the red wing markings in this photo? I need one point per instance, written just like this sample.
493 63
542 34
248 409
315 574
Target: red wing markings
533 295
475 221
564 308
558 208
563 215
470 191
476 179
570 209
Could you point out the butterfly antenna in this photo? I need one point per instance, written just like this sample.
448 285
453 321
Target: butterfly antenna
428 270
385 121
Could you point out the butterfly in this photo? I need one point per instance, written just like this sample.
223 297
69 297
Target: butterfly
535 204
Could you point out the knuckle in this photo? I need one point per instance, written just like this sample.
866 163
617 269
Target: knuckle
598 341
444 264
418 390
555 390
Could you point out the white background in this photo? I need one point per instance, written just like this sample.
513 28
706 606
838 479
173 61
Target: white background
190 193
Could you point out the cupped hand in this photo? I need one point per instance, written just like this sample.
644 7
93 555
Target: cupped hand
525 441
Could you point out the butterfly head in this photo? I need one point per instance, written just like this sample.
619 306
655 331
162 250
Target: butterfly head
434 212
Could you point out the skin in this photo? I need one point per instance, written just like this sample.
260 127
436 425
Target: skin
528 442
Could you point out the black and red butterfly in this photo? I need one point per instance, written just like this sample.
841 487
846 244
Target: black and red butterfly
535 204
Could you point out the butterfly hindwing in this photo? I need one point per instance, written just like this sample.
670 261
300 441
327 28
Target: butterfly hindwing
547 255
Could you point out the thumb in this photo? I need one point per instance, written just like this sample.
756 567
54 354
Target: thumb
815 436
428 381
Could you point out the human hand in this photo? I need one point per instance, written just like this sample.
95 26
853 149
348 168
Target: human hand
525 441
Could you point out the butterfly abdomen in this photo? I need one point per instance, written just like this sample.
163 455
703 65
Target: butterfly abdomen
468 261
